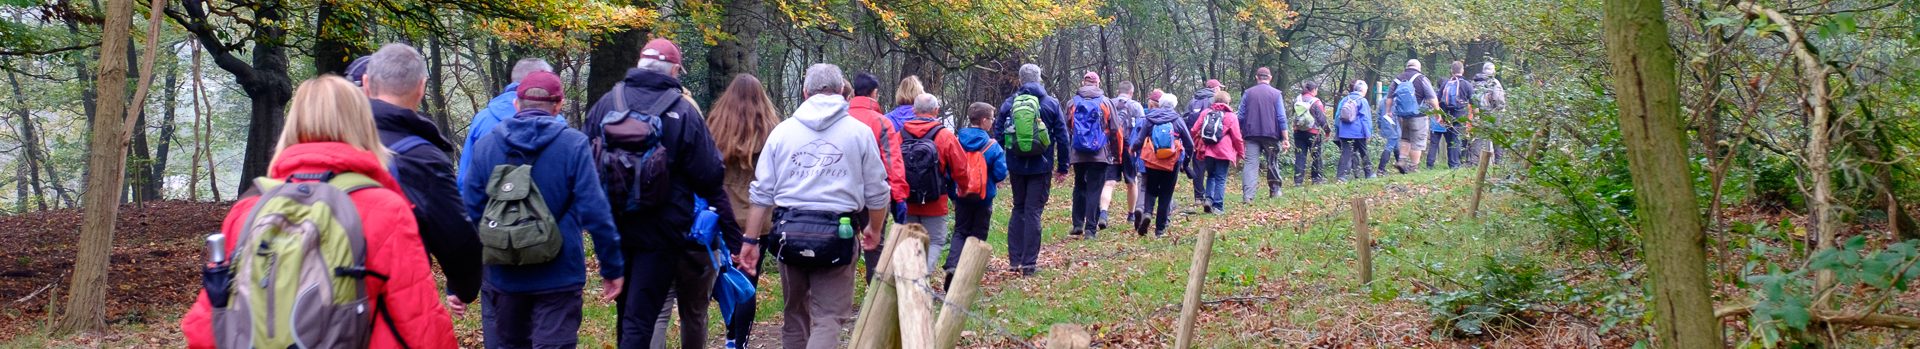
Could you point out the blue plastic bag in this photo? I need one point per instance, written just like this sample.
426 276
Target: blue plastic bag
732 288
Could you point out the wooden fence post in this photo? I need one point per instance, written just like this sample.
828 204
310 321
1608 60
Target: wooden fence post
1196 277
916 303
1362 240
966 283
880 329
1480 183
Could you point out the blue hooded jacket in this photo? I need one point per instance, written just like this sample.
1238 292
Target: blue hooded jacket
974 139
570 183
1362 124
900 115
499 108
1056 129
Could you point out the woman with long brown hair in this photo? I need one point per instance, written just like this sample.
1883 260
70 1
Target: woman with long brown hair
740 121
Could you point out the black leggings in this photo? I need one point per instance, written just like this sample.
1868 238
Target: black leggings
1159 198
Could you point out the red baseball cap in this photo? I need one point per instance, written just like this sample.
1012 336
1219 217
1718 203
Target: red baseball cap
1212 83
662 50
541 86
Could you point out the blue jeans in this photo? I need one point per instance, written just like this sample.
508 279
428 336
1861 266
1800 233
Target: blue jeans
1217 182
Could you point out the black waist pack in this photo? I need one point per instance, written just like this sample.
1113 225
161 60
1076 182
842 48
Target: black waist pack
804 238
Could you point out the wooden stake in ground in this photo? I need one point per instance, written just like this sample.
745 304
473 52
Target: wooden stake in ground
881 329
916 303
1363 240
1479 184
87 302
966 283
1196 277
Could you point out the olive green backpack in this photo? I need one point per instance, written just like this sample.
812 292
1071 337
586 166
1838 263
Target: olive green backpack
517 228
299 268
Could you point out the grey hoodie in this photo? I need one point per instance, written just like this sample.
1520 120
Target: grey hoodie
814 161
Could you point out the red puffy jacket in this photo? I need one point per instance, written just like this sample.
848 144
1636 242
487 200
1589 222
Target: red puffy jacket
393 249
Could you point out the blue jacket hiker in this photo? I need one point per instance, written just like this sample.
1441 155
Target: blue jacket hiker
973 218
569 182
1028 178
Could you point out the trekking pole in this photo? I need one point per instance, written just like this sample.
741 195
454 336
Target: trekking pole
1479 184
1196 277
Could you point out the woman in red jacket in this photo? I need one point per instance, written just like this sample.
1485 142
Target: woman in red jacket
329 128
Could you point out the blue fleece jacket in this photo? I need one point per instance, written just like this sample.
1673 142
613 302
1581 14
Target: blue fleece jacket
568 180
1056 129
974 140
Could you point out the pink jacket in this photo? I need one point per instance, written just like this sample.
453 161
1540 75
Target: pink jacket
1231 146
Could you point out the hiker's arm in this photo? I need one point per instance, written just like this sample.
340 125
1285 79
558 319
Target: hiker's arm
1050 113
444 225
748 258
706 175
595 215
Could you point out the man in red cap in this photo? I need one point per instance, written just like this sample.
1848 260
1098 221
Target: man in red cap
654 228
538 305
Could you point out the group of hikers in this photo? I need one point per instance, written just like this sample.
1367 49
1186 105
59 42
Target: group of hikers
332 247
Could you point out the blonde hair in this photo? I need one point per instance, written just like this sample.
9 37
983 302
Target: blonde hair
330 109
910 88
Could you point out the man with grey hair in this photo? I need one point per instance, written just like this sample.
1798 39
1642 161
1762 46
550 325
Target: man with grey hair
931 155
1030 129
647 121
396 80
821 177
499 108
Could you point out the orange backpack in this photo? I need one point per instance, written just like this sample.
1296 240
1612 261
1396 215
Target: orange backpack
1159 150
970 175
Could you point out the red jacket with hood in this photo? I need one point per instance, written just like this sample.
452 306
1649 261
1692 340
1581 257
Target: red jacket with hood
393 249
867 110
951 156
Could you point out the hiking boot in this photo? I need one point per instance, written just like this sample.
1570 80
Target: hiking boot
1074 232
1159 233
1102 223
1206 209
1274 192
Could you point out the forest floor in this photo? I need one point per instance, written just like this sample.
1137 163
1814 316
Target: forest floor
1282 274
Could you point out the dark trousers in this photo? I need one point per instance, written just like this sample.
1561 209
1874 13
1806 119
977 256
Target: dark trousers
741 328
970 220
1389 155
688 272
545 320
1023 229
1217 183
1306 158
1158 188
1451 141
1089 179
1353 159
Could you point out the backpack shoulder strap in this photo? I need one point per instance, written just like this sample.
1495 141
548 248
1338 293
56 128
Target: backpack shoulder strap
352 182
407 144
620 96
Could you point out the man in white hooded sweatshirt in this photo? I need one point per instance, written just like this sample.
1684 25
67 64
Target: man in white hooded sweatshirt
820 173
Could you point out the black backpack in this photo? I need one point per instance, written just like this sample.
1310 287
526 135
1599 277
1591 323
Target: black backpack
626 145
921 157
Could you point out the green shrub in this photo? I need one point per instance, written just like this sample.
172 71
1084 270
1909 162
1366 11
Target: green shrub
1496 298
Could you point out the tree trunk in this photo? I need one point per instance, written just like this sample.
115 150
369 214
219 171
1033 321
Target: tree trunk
270 90
335 43
733 56
139 159
30 140
1650 123
157 174
608 60
436 89
86 305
